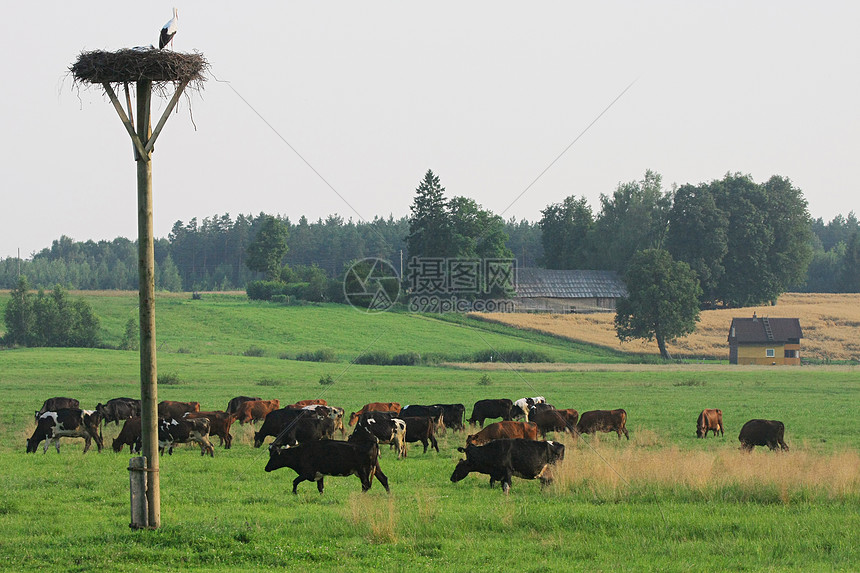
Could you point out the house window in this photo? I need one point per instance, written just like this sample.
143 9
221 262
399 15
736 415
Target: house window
770 353
791 353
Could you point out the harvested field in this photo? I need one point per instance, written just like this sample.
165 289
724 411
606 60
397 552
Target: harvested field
830 327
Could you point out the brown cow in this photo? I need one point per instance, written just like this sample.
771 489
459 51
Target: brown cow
170 409
303 403
374 407
603 421
498 430
710 420
129 434
256 410
219 425
555 420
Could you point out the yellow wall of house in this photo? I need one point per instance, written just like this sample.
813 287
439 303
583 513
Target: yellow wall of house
752 354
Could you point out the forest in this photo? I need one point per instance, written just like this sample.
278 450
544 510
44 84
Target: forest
717 228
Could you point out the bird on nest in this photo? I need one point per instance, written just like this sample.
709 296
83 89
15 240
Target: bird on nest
168 31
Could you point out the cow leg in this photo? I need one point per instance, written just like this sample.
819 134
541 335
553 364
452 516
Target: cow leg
296 483
783 446
228 441
434 443
383 479
424 442
320 485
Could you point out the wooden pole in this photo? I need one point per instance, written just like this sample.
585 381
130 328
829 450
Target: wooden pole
137 488
146 270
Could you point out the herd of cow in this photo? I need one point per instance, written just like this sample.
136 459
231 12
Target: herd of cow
304 441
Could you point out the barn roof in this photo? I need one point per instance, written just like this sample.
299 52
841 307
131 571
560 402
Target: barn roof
764 329
551 283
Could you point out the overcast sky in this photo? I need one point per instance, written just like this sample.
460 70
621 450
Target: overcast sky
372 94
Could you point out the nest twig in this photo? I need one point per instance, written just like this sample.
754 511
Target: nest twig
161 67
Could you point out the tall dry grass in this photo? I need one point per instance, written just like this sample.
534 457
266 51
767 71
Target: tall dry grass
610 471
376 516
829 321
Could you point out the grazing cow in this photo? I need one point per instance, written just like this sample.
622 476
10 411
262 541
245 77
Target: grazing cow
501 459
414 411
453 415
522 406
385 427
603 421
306 429
182 431
255 410
710 420
278 422
540 408
491 408
66 423
219 425
499 430
129 434
54 404
420 429
171 409
314 460
374 407
768 433
233 404
117 409
555 421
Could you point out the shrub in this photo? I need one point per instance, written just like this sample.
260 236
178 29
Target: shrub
321 355
326 380
377 357
406 359
168 379
269 382
485 380
183 350
254 351
516 355
131 336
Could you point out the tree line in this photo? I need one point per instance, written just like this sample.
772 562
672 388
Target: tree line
746 241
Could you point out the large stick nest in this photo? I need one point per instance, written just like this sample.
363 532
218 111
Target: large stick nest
161 67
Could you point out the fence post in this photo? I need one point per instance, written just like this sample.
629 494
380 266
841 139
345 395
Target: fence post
137 487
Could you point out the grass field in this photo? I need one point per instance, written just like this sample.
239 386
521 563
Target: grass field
661 501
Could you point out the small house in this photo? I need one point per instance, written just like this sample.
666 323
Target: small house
763 340
567 291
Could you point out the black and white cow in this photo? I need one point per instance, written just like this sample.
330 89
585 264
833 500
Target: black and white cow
386 427
314 460
172 431
117 409
523 406
66 423
501 459
418 411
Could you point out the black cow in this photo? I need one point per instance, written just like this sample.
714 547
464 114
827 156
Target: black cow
491 408
233 405
314 460
306 429
117 409
420 430
453 415
182 431
414 411
768 433
54 404
130 435
386 427
66 423
278 422
501 459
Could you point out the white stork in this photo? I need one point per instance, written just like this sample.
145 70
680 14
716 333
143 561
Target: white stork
168 31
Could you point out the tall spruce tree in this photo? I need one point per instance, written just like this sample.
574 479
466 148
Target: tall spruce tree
430 233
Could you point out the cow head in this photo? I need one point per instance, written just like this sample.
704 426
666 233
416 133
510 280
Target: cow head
258 439
353 418
462 470
117 445
32 445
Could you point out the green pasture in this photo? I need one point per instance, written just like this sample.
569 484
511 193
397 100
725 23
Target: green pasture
70 512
